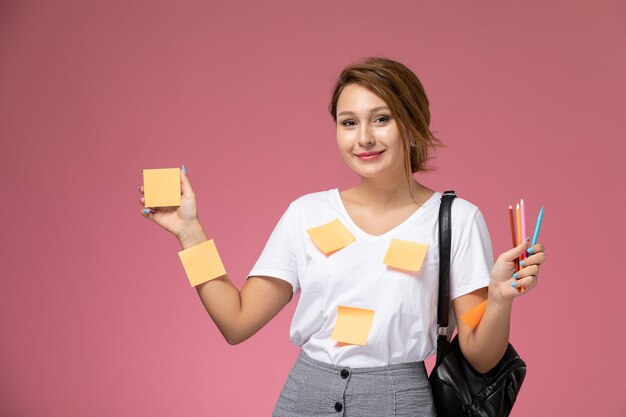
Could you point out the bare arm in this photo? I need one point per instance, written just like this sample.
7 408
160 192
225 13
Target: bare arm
237 314
485 345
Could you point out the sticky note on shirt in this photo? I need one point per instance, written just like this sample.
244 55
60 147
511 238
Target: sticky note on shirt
161 187
403 254
353 325
331 237
202 263
473 317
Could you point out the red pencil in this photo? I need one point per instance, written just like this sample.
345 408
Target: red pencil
513 239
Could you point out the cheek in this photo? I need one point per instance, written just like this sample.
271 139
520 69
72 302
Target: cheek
345 148
395 141
343 141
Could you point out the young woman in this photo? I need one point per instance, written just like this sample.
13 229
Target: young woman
382 118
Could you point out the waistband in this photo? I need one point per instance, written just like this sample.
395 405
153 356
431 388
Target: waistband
306 359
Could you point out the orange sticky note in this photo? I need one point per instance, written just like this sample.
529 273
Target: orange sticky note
404 254
473 317
331 237
353 325
202 263
161 187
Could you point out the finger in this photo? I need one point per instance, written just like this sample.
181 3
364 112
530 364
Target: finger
142 201
525 272
184 183
140 189
536 259
517 251
148 212
529 282
537 248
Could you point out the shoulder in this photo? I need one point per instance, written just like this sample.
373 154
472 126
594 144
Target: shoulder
461 208
314 202
464 209
466 216
467 219
311 209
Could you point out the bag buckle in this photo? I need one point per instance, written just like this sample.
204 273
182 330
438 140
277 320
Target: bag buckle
442 331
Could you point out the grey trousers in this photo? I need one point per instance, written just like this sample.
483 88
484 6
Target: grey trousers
315 389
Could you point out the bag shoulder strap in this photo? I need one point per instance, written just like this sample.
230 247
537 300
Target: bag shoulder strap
445 247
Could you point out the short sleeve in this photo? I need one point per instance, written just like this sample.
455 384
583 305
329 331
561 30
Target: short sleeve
471 256
279 257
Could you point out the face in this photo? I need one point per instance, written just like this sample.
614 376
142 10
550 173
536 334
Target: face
368 137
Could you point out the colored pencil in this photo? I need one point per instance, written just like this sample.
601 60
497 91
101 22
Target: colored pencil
537 226
523 211
518 220
513 239
518 217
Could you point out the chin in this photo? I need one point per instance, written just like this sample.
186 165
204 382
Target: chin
370 174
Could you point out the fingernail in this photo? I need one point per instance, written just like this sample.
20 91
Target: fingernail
139 188
516 275
522 263
530 250
146 211
184 169
514 284
528 238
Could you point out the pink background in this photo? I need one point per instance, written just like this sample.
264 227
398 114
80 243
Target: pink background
96 315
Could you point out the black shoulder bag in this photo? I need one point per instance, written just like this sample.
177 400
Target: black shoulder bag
458 389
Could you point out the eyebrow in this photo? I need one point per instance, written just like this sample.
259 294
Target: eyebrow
374 110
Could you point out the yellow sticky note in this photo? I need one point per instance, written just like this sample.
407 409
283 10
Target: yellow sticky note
353 325
331 237
473 317
161 187
202 263
403 254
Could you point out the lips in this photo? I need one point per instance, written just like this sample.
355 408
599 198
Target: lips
369 155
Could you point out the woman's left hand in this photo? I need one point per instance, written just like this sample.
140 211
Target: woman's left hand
505 283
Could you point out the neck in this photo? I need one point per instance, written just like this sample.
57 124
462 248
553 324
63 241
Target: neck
388 191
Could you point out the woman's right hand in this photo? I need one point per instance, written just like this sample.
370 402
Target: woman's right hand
176 220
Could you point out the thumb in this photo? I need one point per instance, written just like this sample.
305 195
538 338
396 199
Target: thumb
184 182
517 251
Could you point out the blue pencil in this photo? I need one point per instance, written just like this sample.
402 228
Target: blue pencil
537 227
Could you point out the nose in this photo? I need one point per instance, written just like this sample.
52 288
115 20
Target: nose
366 136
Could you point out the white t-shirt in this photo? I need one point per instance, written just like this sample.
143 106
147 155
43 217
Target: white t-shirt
405 303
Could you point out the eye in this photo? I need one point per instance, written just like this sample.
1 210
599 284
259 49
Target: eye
382 119
348 123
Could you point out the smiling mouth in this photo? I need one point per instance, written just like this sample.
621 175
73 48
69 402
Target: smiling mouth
369 155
